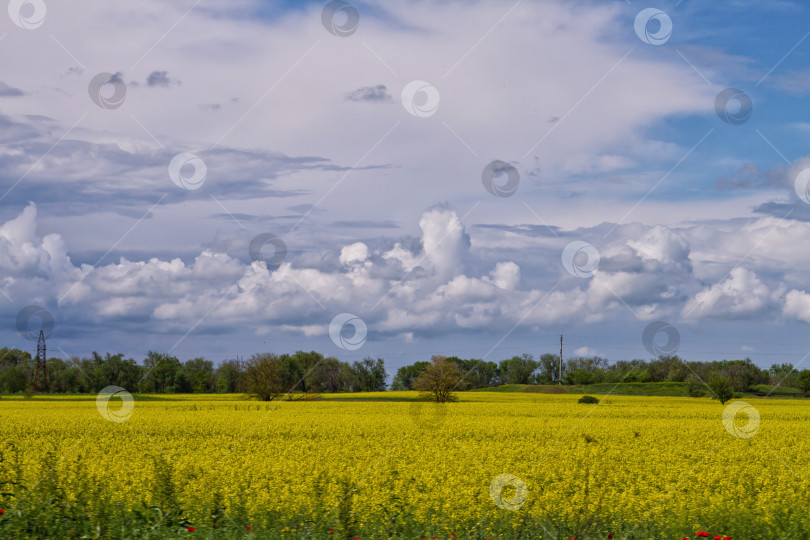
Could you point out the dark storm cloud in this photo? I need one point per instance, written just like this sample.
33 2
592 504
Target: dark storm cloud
524 230
371 94
159 78
9 91
367 224
796 210
78 177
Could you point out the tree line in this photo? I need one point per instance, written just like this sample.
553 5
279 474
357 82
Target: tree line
269 375
307 372
741 375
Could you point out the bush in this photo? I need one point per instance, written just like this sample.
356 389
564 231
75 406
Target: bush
696 387
588 399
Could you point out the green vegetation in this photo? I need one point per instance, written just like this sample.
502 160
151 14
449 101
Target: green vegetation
439 381
269 376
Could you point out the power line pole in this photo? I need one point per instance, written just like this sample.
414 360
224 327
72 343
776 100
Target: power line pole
559 378
41 381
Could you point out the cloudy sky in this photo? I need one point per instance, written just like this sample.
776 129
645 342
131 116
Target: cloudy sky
472 178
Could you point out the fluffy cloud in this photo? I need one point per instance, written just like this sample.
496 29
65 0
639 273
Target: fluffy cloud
740 295
400 288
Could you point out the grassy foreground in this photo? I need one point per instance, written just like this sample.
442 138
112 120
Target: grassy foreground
496 465
618 389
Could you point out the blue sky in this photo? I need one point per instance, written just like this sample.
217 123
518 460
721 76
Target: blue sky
363 155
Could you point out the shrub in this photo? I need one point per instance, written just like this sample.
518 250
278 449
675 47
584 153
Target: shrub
696 387
588 399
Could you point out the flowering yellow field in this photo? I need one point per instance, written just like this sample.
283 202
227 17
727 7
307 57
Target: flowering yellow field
492 465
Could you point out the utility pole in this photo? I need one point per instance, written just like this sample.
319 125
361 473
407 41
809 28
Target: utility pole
559 378
41 381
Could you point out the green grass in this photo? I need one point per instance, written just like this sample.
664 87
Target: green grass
676 389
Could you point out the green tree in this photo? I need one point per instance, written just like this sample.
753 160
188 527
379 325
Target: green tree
803 380
518 369
439 381
263 376
580 376
369 375
14 379
722 388
14 357
326 376
230 377
161 372
548 369
783 374
742 374
405 376
199 373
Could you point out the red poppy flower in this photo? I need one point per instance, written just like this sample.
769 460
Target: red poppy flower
718 537
249 528
191 529
685 538
727 538
2 512
333 532
610 536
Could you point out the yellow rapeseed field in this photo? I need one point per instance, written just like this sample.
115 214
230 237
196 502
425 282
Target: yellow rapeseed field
493 465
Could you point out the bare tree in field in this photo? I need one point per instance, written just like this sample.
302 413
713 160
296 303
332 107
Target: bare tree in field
263 376
439 381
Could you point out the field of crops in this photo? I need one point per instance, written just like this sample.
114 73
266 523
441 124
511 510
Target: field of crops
494 465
